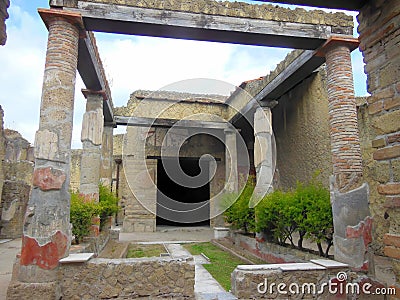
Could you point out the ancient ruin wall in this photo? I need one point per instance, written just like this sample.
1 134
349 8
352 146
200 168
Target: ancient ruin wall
4 4
339 21
301 129
380 132
76 156
173 105
18 170
2 153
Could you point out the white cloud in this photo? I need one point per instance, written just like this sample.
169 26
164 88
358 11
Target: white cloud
131 63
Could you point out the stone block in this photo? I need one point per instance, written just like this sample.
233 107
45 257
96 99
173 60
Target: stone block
389 189
387 123
92 126
393 252
387 153
379 143
46 145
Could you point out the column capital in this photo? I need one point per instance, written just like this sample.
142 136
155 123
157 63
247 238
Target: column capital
350 42
87 93
48 15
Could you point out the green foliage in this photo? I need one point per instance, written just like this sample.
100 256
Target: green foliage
306 210
239 214
108 203
81 215
83 211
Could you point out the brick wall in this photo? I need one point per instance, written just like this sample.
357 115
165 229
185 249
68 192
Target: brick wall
380 119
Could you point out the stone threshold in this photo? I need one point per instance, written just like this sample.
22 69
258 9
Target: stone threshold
315 264
76 258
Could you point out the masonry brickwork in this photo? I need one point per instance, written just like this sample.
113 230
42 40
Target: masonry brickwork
379 117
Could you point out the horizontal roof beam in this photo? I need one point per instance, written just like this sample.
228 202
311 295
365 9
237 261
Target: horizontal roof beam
90 70
168 123
337 4
195 26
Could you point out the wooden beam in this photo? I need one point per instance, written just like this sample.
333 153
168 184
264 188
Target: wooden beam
90 71
295 73
186 25
168 123
337 4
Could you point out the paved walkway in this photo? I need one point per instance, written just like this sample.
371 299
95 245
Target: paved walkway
205 287
8 251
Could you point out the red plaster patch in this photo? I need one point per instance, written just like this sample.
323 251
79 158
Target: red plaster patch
364 229
46 256
48 179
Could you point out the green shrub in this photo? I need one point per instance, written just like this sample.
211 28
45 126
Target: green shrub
239 214
83 211
81 215
108 203
305 210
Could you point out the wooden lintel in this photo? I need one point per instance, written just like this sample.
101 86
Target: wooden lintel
350 42
168 123
74 18
195 26
295 72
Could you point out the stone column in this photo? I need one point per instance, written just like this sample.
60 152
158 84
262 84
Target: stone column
91 137
231 170
349 196
263 152
47 229
106 168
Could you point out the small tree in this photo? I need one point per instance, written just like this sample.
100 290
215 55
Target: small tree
81 215
108 203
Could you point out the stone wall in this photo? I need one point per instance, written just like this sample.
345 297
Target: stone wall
76 156
173 105
301 129
2 154
146 278
379 119
17 170
4 4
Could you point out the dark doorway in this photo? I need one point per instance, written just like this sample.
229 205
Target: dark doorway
192 204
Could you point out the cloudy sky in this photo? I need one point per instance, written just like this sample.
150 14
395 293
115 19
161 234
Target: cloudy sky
131 63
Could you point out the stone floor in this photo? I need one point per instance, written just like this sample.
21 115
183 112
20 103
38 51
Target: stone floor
8 251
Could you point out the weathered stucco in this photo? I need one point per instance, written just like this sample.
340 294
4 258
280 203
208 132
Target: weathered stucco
301 129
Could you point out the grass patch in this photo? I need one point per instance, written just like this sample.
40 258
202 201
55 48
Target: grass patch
138 250
222 263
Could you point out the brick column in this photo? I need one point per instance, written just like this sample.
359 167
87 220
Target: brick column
345 141
47 229
91 137
231 171
349 196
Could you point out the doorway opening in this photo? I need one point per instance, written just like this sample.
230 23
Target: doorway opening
177 204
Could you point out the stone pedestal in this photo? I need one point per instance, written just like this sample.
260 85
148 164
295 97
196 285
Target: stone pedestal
47 229
349 196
